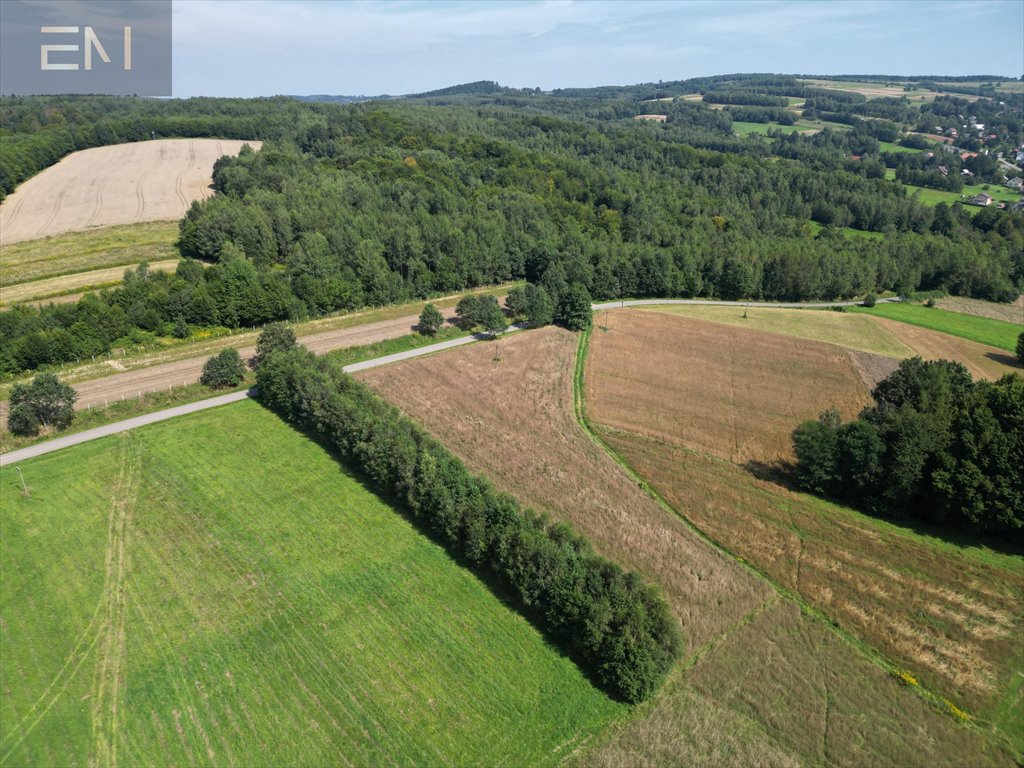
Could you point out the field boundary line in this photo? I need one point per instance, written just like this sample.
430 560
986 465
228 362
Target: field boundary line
933 698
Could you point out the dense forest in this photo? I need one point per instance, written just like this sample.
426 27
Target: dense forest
936 446
349 205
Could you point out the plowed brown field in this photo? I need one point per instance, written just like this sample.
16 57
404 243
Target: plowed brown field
119 184
789 692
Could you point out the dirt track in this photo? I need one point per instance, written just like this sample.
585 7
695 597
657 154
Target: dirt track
119 184
129 384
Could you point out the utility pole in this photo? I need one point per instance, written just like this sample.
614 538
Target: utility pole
24 488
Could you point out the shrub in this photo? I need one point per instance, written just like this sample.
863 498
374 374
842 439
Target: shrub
870 300
274 337
431 320
225 369
22 420
1020 347
51 401
574 309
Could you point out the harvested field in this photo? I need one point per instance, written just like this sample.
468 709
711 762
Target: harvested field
119 184
843 328
1010 313
950 614
512 419
982 361
86 251
56 287
871 368
732 392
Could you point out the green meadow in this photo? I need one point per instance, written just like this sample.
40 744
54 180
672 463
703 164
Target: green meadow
984 330
191 594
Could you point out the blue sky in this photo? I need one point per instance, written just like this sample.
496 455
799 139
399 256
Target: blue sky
267 47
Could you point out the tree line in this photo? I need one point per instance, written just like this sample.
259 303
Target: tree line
936 445
610 622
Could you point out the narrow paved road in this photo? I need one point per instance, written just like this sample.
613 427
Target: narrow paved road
212 402
157 378
319 343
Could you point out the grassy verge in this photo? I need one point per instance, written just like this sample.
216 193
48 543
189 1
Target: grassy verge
270 612
75 252
151 402
984 330
413 341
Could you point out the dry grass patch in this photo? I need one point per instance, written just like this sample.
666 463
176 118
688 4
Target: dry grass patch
843 328
729 391
1010 313
983 361
782 667
950 614
512 421
507 410
57 287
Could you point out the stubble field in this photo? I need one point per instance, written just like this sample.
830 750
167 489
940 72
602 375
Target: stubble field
118 184
951 614
762 683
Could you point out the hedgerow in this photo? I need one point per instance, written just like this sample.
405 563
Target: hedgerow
608 621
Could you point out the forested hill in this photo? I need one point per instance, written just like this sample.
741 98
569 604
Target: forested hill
376 202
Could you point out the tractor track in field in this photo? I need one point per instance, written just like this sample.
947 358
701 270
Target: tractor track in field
105 699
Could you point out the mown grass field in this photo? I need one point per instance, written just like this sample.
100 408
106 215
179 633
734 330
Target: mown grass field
842 328
77 252
78 283
763 683
984 330
186 594
1011 313
934 196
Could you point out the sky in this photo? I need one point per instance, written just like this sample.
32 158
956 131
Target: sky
268 47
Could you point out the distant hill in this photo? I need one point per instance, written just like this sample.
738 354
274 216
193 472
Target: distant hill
478 88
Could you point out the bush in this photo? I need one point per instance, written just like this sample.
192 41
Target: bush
574 309
608 620
515 302
870 300
225 369
1020 348
22 420
431 320
274 337
51 402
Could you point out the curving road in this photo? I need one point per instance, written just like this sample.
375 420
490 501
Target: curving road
145 378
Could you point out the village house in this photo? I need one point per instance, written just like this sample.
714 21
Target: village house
982 200
1015 183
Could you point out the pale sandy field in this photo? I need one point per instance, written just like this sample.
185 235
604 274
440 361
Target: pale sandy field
119 184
